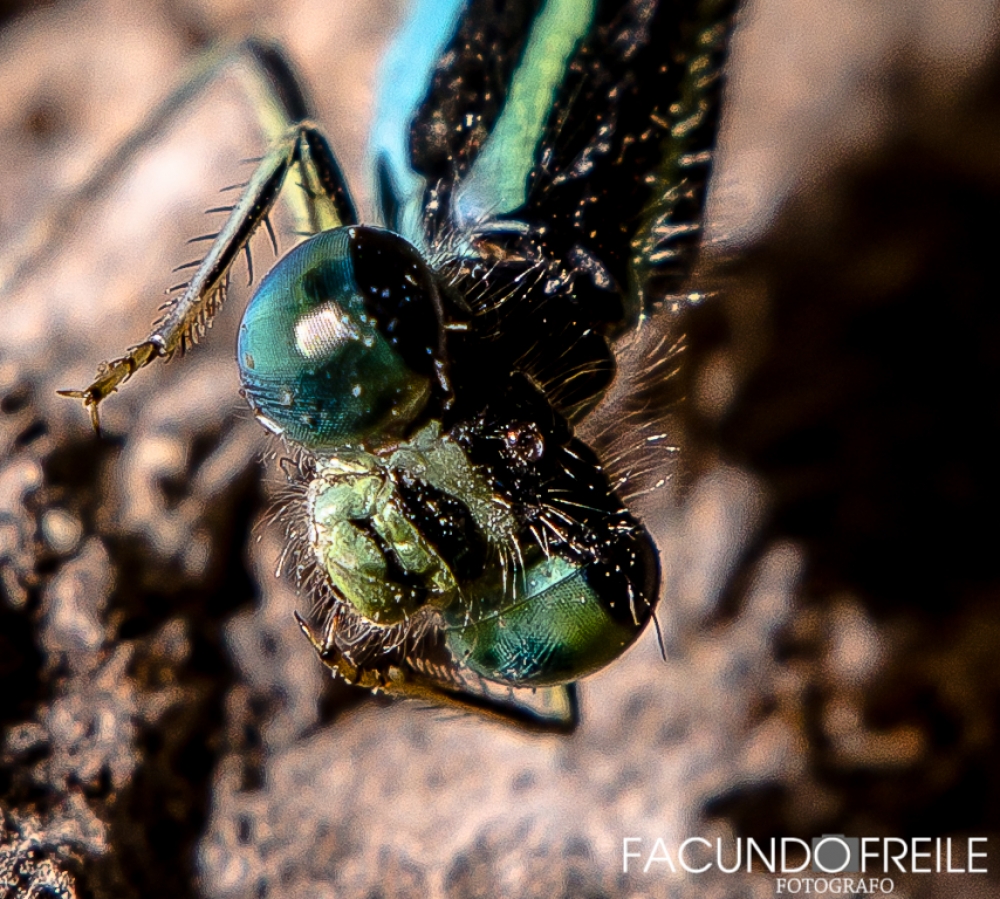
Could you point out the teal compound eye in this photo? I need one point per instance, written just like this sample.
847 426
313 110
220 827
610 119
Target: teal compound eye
564 620
341 344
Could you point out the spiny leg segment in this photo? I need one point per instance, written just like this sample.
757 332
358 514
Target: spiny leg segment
322 203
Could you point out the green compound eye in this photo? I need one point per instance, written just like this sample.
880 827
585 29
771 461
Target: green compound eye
340 344
565 619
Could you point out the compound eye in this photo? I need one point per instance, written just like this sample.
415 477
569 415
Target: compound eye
341 342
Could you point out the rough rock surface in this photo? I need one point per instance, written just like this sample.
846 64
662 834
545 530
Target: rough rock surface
830 620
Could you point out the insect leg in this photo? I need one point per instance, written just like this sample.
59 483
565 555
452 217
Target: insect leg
323 202
562 718
560 714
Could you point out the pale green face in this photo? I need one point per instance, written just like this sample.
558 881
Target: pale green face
355 512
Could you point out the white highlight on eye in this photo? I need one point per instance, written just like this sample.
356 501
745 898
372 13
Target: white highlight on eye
324 331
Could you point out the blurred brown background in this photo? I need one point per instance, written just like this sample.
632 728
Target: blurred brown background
830 614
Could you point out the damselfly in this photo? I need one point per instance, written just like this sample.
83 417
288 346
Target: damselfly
540 169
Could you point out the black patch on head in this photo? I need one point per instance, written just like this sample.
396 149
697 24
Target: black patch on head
446 523
400 296
413 584
625 572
